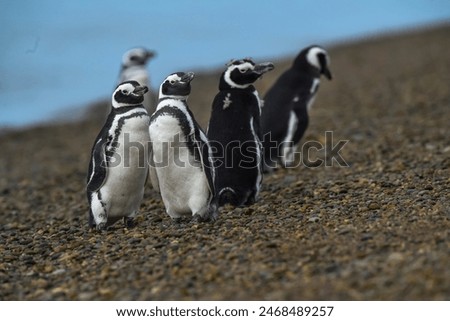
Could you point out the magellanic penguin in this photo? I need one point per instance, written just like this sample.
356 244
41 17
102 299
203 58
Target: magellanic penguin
182 166
286 105
134 67
234 133
119 159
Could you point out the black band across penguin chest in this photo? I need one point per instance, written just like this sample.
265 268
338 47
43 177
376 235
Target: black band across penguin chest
185 126
112 142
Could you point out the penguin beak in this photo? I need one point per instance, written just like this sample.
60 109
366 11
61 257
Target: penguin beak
263 68
140 90
327 73
150 54
187 77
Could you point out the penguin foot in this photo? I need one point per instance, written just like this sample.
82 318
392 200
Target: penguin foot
91 221
210 215
101 227
213 212
197 218
177 220
129 222
250 200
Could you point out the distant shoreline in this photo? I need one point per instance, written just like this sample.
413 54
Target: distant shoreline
78 113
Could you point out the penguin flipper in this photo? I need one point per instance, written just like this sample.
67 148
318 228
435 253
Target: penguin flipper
301 111
206 158
98 167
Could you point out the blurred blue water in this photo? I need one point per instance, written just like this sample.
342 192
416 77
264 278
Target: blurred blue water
57 55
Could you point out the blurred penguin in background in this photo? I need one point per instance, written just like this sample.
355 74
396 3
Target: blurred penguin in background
287 103
134 67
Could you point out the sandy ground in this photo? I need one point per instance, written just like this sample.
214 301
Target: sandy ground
377 229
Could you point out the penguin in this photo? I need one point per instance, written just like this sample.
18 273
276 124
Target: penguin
286 105
234 133
134 67
119 159
181 161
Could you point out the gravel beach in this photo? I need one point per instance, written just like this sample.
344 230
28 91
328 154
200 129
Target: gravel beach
377 229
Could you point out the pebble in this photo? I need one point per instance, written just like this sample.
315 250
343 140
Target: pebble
374 206
314 219
346 229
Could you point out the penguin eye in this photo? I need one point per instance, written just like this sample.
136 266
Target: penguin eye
126 92
172 81
243 70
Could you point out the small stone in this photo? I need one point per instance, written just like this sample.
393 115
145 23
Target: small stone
395 257
48 269
87 296
366 236
346 229
374 206
58 272
58 290
106 293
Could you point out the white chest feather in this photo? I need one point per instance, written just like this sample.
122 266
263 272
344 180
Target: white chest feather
182 182
258 155
137 73
259 100
288 147
227 101
313 91
124 186
180 105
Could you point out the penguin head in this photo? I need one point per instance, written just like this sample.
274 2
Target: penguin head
244 72
317 60
136 57
128 93
176 85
